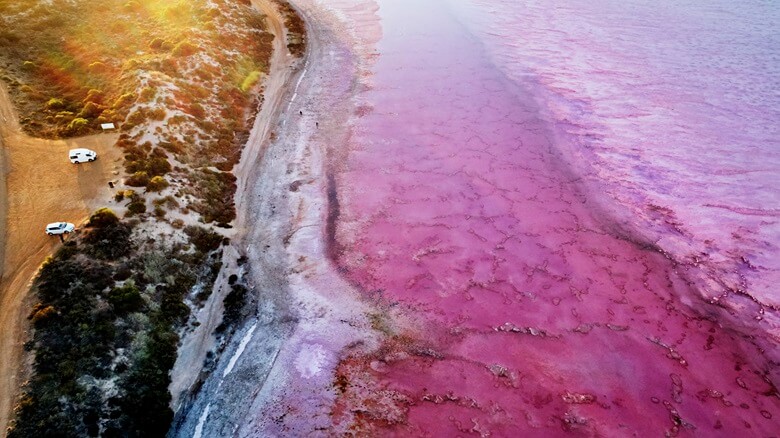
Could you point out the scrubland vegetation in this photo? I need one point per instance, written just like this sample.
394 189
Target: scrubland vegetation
296 28
181 81
71 65
105 333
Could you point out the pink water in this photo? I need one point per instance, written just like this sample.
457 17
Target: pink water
575 209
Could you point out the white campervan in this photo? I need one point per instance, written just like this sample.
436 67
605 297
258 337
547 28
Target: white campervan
81 155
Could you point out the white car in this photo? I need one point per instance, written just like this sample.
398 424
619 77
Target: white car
82 155
59 228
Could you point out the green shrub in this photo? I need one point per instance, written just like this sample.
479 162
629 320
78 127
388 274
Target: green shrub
123 272
109 241
138 179
157 184
146 404
135 165
216 191
204 239
78 126
42 315
108 116
95 96
77 342
68 250
102 217
124 101
133 6
155 166
234 304
91 110
137 117
65 114
55 104
158 166
97 67
196 110
156 44
251 80
136 207
185 48
147 94
126 299
168 201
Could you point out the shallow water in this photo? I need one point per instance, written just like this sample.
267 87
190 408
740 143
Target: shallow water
672 110
577 207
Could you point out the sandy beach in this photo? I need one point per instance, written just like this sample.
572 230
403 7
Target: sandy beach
38 186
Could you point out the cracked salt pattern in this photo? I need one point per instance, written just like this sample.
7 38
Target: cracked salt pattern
557 205
673 111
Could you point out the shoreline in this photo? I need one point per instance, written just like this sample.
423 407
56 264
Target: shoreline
527 248
284 359
186 373
292 381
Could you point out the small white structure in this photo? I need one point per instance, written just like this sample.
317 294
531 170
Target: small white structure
56 228
81 155
107 126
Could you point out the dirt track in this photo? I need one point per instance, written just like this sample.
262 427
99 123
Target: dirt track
39 186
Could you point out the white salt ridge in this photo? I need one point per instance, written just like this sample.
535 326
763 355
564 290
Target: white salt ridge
240 350
199 428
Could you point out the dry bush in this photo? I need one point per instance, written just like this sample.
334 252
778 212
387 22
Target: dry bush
78 126
157 184
184 49
138 179
136 207
147 94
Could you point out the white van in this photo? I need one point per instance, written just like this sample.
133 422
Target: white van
81 155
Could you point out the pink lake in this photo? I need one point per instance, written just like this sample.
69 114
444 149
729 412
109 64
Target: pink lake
575 210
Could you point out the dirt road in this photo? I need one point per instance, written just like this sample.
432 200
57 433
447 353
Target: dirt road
39 185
